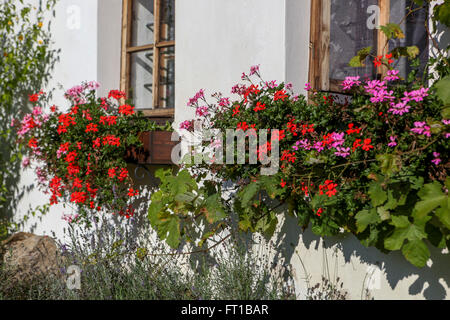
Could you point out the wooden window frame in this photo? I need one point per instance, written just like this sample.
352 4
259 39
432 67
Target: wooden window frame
157 46
319 57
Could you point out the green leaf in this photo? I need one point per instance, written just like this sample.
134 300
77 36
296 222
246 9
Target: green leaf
365 218
432 198
248 193
443 214
153 212
173 230
383 213
392 31
395 241
416 252
410 52
214 209
377 195
358 60
389 163
442 13
446 112
404 229
443 91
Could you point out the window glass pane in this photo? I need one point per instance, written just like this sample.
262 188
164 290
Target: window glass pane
167 20
142 23
414 30
353 27
167 77
141 79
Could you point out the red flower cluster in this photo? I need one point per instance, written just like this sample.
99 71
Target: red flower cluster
251 90
116 94
132 192
126 109
288 156
55 185
305 189
236 110
292 127
307 128
91 127
329 187
79 159
35 97
32 143
352 129
280 95
78 197
109 120
378 61
111 140
65 121
242 126
259 107
366 145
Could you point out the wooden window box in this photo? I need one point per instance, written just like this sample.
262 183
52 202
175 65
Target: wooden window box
156 149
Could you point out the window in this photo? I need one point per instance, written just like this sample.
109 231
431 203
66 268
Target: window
340 28
148 55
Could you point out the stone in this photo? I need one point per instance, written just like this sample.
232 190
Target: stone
28 256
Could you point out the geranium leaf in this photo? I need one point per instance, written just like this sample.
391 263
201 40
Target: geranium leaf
416 252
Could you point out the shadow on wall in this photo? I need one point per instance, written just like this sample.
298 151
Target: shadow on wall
10 162
394 265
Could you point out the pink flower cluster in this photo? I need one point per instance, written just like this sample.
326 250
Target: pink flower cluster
272 84
194 100
69 218
224 102
436 159
342 152
393 142
378 90
336 140
238 89
350 82
186 125
421 128
399 108
76 94
254 70
392 75
416 95
202 111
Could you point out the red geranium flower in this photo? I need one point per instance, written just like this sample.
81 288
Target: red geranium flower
259 107
123 174
91 127
116 94
356 144
236 110
367 146
32 143
112 172
126 109
280 95
242 126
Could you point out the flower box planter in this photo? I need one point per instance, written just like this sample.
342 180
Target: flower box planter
156 149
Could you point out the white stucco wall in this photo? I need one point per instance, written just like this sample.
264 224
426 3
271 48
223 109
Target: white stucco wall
217 40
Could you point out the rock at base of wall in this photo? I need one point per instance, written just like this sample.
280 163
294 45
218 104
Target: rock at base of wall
28 257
